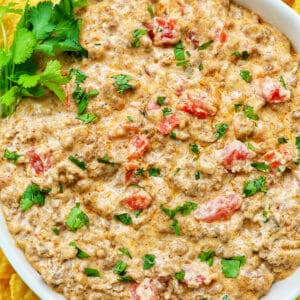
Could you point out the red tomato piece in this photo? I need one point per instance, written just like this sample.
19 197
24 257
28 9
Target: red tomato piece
223 36
197 107
273 92
278 158
139 200
40 163
166 125
220 208
138 146
144 291
234 154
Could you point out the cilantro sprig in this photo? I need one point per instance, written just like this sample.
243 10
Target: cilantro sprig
76 218
231 266
13 156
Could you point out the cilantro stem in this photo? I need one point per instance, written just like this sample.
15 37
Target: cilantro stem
3 35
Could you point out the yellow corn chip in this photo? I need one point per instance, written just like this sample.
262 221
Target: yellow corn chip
5 269
297 6
4 290
19 290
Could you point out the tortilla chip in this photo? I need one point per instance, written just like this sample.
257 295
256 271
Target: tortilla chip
19 290
5 290
5 268
296 6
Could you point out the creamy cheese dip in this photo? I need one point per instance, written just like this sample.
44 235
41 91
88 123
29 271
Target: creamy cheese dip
187 184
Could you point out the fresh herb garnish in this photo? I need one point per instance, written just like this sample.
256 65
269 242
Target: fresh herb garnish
125 278
13 156
124 218
167 112
91 272
244 55
221 130
78 163
205 45
150 10
61 187
179 51
137 34
194 148
105 160
265 216
207 256
33 195
185 209
87 118
200 66
138 186
80 254
225 297
125 251
154 172
246 75
237 106
249 113
173 135
298 147
282 140
120 267
197 175
282 81
122 82
252 187
175 226
80 77
139 172
76 218
231 266
160 100
55 230
180 275
138 212
260 166
149 261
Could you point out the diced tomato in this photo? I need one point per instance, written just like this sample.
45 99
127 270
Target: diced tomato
272 91
166 125
138 146
144 290
193 39
130 169
278 158
234 154
220 208
223 36
163 31
152 105
179 91
197 106
139 200
40 163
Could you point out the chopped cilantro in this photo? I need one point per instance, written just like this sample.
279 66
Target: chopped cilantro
185 209
260 166
137 213
197 175
282 140
80 77
130 118
120 267
160 100
78 163
188 53
282 81
55 230
33 195
245 55
249 113
150 10
207 256
87 118
61 187
200 66
122 82
154 172
252 187
194 148
125 251
125 278
236 53
237 106
173 135
139 172
167 112
137 34
175 226
221 130
205 45
298 147
182 63
231 266
179 51
81 98
250 146
105 160
13 156
91 272
225 297
169 212
177 170
265 216
80 254
180 275
245 75
149 261
138 186
124 218
76 218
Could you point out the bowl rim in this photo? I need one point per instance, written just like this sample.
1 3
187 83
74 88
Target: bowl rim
286 20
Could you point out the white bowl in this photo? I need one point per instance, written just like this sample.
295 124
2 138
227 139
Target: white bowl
288 22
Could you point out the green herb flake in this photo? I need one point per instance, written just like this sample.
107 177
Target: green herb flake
167 112
252 187
207 256
55 230
245 75
282 140
33 195
80 77
179 51
76 218
139 172
249 113
154 172
87 118
231 266
78 163
150 10
175 226
105 160
160 100
120 267
265 215
197 175
200 66
195 149
221 130
137 34
185 209
125 251
13 156
205 45
180 275
282 81
237 107
149 261
182 63
236 53
173 135
298 147
225 297
61 188
124 218
130 118
260 166
122 82
137 213
91 272
245 55
80 254
125 278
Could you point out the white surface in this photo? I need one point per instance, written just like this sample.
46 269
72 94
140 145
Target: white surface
274 12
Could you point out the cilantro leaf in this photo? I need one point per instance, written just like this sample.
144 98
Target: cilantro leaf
9 101
249 113
87 118
298 147
137 34
180 275
139 172
33 195
124 218
194 148
282 81
150 10
221 130
207 256
80 254
125 251
92 272
179 51
282 140
149 261
175 226
167 112
80 77
78 163
260 166
28 81
160 100
13 156
122 81
120 267
197 175
154 172
205 45
105 160
80 3
246 75
252 187
187 208
55 230
82 97
231 266
76 218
